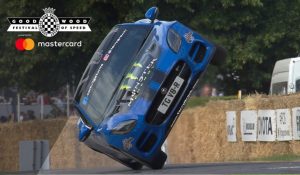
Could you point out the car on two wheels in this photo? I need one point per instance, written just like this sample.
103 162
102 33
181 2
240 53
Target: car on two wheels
135 86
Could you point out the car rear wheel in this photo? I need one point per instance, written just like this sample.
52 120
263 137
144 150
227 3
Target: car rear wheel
219 56
130 163
134 165
159 160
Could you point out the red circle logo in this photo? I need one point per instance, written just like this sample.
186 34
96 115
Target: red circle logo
19 44
24 44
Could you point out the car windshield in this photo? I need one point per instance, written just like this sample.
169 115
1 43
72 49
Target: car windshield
279 88
110 63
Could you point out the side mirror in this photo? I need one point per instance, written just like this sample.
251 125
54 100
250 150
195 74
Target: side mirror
84 131
152 13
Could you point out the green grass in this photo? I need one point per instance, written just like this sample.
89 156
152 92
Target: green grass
201 101
284 157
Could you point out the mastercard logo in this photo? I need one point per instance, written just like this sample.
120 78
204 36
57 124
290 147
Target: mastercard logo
24 44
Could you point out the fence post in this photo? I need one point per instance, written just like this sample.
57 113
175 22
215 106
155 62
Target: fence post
239 94
18 107
42 107
68 100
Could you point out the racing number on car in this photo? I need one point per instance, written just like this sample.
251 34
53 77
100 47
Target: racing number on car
171 94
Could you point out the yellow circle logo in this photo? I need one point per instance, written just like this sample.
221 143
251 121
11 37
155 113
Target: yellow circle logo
28 44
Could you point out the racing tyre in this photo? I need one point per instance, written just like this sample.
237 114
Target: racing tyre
159 160
130 163
219 56
134 165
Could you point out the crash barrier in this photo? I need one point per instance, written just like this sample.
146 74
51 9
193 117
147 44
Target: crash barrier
265 125
34 155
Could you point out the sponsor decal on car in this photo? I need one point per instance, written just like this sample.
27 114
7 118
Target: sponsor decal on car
98 58
106 56
127 143
141 79
85 100
131 76
94 80
137 65
189 38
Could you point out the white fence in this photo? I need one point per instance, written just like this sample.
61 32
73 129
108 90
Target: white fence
34 111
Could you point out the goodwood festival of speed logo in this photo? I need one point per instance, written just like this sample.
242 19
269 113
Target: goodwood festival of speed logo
49 24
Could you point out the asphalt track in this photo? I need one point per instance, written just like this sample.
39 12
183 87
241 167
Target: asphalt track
203 168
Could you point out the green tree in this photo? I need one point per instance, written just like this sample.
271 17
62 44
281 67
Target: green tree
255 33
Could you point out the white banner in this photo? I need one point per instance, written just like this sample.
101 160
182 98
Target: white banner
266 125
248 125
296 123
284 128
231 126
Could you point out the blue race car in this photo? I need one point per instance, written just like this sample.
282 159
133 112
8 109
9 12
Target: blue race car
136 85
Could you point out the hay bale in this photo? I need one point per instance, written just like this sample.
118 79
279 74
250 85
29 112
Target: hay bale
198 136
200 133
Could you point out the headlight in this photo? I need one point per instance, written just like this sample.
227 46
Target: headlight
124 127
174 40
